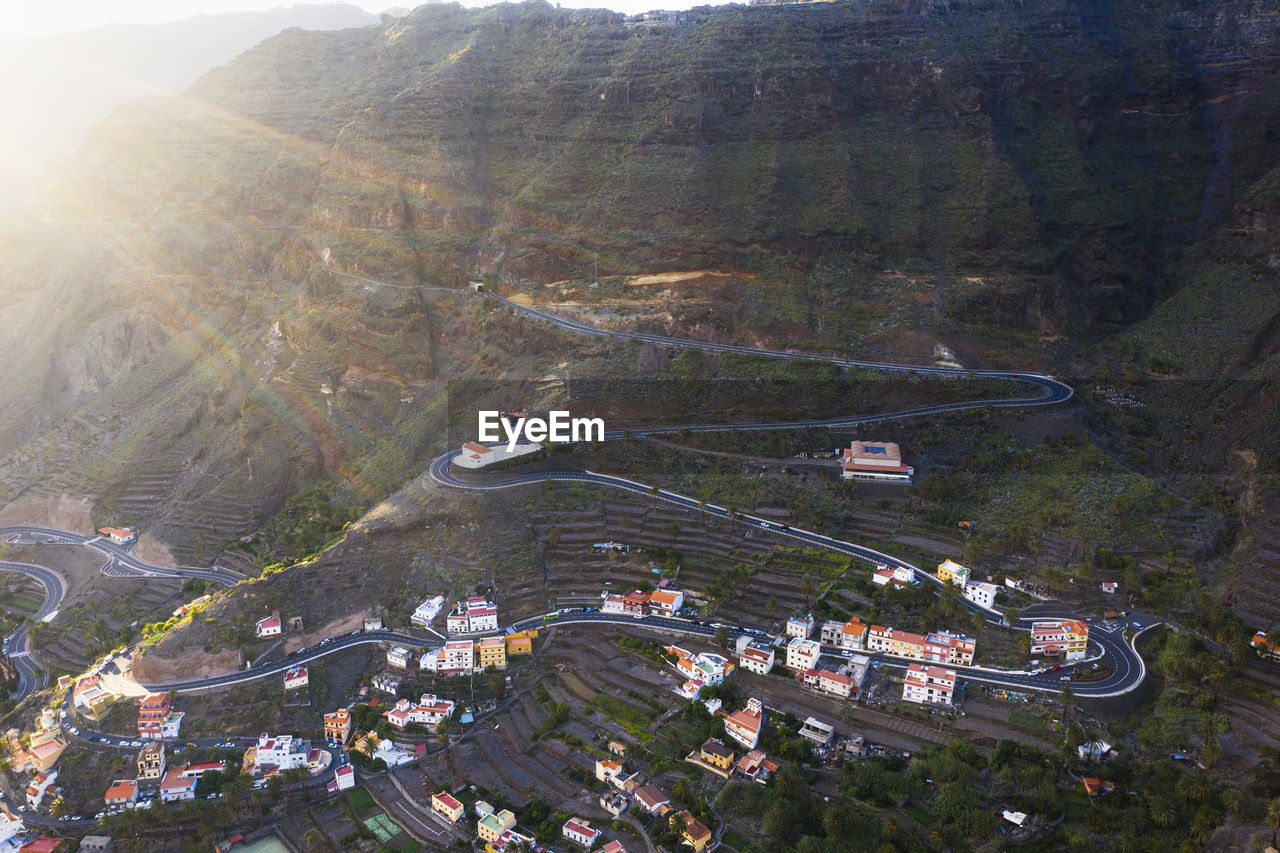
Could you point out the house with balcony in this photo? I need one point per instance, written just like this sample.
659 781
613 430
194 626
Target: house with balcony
874 460
803 654
929 684
756 657
337 727
744 725
950 571
157 719
1064 638
800 627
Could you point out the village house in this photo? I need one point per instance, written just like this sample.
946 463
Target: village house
952 572
1095 787
1065 638
874 460
692 831
456 657
829 682
157 719
118 535
897 576
511 839
817 732
41 785
650 799
755 766
614 802
46 747
520 643
831 632
802 654
90 699
296 677
756 657
491 652
666 602
854 634
938 647
716 754
151 764
11 826
982 594
706 667
426 612
1109 587
276 754
489 827
445 803
614 846
1265 647
337 727
744 725
800 626
634 603
474 615
580 832
269 627
121 793
608 771
427 712
177 786
344 779
398 657
929 684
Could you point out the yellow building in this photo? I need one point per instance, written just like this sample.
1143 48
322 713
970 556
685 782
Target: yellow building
444 803
953 572
46 749
491 651
493 825
715 753
692 831
521 642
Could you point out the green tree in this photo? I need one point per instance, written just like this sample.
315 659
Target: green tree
1273 819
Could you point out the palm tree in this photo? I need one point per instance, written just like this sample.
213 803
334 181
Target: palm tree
1273 819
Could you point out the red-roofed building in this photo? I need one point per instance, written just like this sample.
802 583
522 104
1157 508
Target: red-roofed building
665 602
123 791
744 725
269 627
1065 638
929 684
118 535
633 603
43 844
580 832
874 460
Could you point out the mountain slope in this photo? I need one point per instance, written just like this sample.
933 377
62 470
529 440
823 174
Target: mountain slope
60 86
182 354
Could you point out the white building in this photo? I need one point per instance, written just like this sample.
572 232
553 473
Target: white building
398 656
294 677
344 778
429 711
176 786
269 627
11 827
472 616
427 611
800 626
40 785
1066 638
929 684
895 575
803 654
756 657
612 604
817 732
386 682
854 634
831 632
457 657
982 594
744 726
579 831
666 602
475 456
284 752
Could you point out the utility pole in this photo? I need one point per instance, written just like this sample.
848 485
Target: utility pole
595 266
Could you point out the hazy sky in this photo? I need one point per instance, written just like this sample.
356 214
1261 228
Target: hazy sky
58 16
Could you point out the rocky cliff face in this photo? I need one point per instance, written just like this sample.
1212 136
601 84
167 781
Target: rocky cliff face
182 351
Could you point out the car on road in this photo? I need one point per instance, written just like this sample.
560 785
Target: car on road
1055 667
1136 625
1065 678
